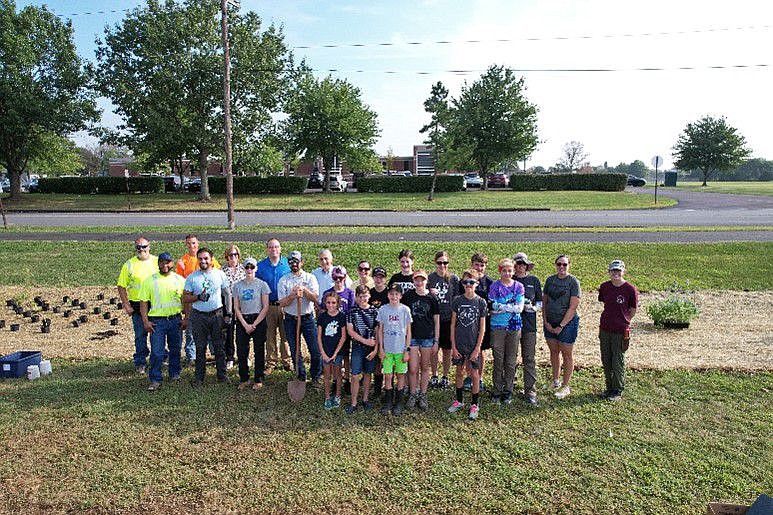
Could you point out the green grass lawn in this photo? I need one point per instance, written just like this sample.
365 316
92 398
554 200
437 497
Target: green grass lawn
651 266
91 438
474 200
740 187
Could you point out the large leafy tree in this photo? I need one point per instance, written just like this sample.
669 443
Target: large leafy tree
327 118
710 145
493 121
44 92
162 67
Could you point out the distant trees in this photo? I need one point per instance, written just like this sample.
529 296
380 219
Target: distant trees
573 156
710 145
44 93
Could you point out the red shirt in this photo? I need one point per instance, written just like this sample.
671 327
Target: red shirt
618 303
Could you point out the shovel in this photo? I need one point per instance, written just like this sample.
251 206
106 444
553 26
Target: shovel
296 388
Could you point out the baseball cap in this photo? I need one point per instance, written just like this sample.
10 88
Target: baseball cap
420 273
338 271
379 270
165 256
295 255
251 261
522 257
617 264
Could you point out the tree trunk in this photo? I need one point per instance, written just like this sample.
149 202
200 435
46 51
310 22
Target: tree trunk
430 198
326 164
483 186
705 176
204 195
14 176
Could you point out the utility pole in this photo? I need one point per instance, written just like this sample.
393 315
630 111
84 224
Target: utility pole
229 178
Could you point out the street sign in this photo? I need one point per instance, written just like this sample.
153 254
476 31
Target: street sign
657 161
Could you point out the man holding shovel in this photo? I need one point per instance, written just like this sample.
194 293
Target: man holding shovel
298 292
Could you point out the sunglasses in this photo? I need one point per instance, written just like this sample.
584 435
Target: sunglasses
249 267
233 254
339 278
364 269
562 264
441 263
141 247
469 282
520 263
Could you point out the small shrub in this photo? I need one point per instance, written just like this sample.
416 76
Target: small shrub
675 309
100 185
258 185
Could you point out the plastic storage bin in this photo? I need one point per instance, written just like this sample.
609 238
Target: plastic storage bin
16 363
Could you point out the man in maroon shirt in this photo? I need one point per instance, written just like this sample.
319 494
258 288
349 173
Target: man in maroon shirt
620 299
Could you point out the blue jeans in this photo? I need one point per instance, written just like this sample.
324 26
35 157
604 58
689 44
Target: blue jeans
166 332
190 345
309 332
424 343
141 350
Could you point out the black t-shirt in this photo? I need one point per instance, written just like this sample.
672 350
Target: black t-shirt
404 282
363 321
532 291
332 326
423 310
379 298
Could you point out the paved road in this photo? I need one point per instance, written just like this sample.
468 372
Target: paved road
695 208
564 236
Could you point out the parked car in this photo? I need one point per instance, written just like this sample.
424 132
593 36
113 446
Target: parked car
498 180
636 181
171 183
5 185
338 183
316 180
31 186
472 180
192 184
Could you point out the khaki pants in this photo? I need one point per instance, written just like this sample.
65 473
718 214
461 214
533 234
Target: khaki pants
504 346
273 324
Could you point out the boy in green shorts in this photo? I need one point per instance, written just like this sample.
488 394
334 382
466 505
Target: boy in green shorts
394 333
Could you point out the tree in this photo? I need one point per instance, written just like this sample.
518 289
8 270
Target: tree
573 156
754 169
326 118
437 129
96 158
709 145
57 156
492 121
44 90
162 67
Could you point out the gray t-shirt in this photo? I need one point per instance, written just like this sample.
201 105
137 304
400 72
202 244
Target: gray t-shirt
249 294
559 292
468 315
396 321
533 292
446 291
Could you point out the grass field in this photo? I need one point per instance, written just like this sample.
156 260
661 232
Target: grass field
739 187
651 266
555 200
91 438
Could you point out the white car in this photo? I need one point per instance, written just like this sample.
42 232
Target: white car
472 180
338 183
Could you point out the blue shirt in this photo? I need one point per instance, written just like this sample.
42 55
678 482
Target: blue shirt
271 274
214 282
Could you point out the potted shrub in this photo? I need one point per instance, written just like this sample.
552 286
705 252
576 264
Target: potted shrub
675 312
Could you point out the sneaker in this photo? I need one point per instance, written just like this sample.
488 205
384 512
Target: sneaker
140 370
556 384
229 364
615 396
455 406
423 401
152 387
473 412
336 402
176 378
328 404
467 384
507 399
563 392
257 386
350 409
434 382
412 400
367 405
531 400
444 384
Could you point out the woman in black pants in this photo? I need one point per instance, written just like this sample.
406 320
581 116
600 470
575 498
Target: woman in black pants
250 308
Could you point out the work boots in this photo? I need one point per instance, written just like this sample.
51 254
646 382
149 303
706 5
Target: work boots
397 410
386 402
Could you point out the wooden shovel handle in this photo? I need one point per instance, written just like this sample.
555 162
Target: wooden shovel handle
297 334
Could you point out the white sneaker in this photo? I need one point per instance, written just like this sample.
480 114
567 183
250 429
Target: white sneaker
556 384
563 392
229 365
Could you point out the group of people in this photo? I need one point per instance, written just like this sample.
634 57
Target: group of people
394 336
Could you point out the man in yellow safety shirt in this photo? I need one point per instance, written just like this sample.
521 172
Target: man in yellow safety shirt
133 272
161 308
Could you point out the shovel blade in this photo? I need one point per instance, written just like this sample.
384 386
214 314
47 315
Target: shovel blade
296 389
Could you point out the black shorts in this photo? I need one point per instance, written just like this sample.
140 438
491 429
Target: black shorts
445 334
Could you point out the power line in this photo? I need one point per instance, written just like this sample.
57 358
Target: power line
88 13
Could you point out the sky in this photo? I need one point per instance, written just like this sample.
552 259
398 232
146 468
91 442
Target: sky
619 115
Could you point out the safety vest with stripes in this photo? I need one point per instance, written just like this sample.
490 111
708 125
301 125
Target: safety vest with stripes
133 272
164 293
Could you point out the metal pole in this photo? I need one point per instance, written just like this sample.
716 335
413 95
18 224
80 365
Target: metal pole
656 181
229 178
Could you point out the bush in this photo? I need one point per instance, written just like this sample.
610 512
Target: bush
257 185
569 181
675 309
100 185
418 184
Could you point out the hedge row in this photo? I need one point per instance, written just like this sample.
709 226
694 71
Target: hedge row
255 185
100 185
418 184
569 181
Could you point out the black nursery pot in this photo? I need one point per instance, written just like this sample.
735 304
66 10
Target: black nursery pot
83 319
35 318
14 327
119 305
57 309
74 303
45 328
27 314
113 300
2 324
75 323
106 316
65 299
67 313
101 296
83 305
97 310
114 321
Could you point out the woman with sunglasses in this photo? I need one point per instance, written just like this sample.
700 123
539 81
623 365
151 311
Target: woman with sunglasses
445 286
235 273
560 299
250 296
363 273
